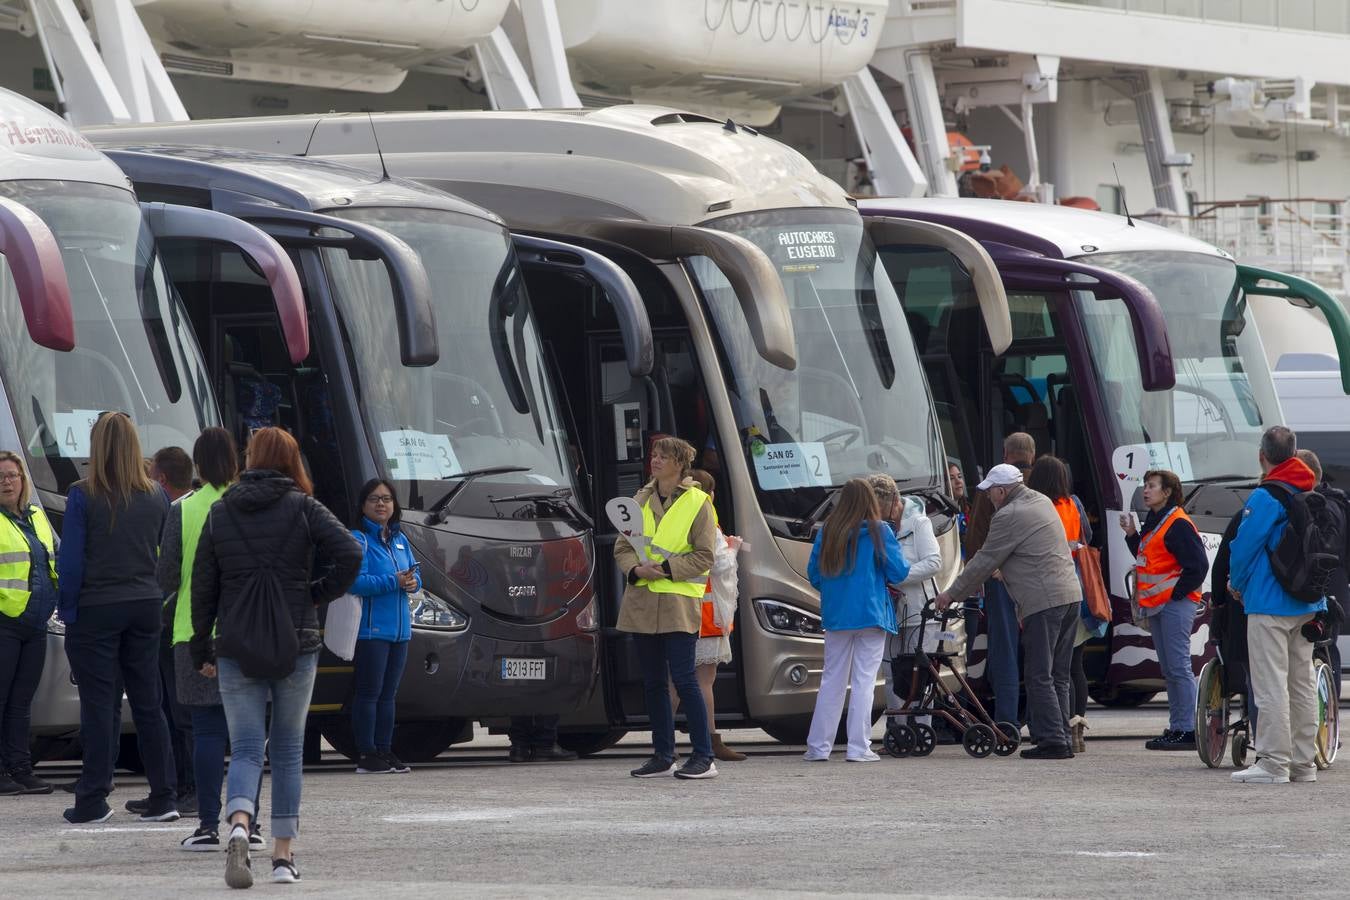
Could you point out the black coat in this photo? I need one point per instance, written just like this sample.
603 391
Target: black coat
284 528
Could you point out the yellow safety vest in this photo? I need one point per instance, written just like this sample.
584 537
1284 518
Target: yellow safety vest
672 537
16 561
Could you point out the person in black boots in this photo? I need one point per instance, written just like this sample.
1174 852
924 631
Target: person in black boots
535 739
27 599
110 602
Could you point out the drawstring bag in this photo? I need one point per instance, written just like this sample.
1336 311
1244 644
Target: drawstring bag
255 629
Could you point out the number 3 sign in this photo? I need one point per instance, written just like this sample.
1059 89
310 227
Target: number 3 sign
626 516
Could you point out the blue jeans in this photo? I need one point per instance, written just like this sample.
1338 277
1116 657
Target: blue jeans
245 701
1171 630
379 669
1004 638
673 652
210 738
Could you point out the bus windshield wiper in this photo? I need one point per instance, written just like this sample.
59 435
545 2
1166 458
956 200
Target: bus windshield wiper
808 521
440 510
559 501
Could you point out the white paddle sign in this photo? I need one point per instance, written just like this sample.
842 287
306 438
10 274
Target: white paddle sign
1128 465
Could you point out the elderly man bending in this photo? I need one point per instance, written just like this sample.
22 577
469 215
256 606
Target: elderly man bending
1026 546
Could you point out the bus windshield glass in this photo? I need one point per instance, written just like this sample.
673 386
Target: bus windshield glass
487 401
1209 426
134 348
857 402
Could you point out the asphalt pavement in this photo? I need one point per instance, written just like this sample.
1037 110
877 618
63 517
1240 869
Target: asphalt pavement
1117 821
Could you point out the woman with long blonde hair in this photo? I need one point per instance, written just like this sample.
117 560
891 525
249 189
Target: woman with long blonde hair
110 602
854 558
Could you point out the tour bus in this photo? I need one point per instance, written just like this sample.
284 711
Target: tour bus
780 349
92 325
1123 334
428 372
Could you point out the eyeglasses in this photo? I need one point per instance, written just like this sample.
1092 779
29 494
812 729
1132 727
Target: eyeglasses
380 498
10 476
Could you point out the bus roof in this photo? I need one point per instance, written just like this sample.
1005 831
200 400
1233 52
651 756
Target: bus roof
37 144
636 162
295 182
1059 231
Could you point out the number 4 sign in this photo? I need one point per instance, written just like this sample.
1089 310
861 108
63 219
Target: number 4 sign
1128 465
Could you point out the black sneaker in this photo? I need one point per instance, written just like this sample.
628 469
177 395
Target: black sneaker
255 838
30 783
97 816
187 803
139 807
1160 742
238 867
373 764
519 753
1179 740
553 753
655 767
9 787
164 812
284 871
203 840
396 765
1048 751
697 767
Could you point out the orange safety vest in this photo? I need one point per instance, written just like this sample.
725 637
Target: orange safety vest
1068 515
709 628
1156 571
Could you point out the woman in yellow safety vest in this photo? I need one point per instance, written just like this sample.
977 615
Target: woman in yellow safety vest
663 603
27 599
1169 568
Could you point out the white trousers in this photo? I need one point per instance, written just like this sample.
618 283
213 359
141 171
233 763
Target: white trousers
852 658
1285 685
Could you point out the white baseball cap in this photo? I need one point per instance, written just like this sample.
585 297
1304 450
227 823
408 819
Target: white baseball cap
1001 475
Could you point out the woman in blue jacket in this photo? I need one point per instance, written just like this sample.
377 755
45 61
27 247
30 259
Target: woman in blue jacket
388 575
854 557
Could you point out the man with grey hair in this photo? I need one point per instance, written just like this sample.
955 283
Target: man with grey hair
1279 658
1000 613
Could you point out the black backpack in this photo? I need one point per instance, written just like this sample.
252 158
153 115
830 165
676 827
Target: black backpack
1310 545
255 628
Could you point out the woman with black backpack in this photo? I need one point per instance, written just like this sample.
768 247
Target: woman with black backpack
251 587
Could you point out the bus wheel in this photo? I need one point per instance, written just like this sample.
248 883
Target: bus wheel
1119 698
588 743
338 733
424 741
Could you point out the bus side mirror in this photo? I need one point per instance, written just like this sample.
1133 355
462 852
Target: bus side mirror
414 316
1304 293
634 324
34 258
169 221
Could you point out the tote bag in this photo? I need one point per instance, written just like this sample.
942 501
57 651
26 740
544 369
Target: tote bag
342 622
1094 588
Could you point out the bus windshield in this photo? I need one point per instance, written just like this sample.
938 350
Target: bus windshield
487 401
857 402
134 348
1209 426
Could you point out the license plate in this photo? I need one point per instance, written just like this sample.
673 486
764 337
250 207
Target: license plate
516 669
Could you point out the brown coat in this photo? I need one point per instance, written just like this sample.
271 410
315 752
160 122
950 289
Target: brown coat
645 612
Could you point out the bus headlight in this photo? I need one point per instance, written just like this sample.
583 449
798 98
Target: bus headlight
431 612
780 618
586 620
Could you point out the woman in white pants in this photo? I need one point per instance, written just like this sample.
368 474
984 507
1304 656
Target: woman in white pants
854 558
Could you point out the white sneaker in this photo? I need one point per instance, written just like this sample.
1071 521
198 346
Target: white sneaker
867 757
1304 775
238 868
808 756
1257 774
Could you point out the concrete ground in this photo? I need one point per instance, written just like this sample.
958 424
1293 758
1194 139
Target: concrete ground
1117 821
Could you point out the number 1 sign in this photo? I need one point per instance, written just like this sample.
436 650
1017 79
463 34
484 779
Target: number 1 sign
1128 465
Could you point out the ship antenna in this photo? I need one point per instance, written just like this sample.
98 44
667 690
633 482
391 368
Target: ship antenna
384 170
1123 205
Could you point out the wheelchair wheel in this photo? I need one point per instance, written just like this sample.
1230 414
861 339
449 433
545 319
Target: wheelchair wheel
1011 742
979 740
1211 715
1240 744
899 741
925 739
1328 716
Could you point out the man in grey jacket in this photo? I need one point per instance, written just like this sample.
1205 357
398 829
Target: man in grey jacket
1026 545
